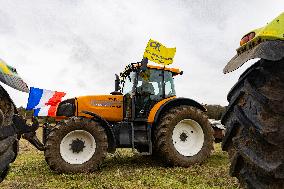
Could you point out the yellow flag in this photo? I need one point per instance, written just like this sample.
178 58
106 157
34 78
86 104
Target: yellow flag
159 53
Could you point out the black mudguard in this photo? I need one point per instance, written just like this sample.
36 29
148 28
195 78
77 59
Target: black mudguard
66 108
108 129
268 50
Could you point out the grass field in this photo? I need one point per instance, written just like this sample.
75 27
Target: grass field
120 170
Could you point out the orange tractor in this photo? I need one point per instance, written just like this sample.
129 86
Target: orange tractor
142 113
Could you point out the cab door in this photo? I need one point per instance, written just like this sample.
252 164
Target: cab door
128 91
149 91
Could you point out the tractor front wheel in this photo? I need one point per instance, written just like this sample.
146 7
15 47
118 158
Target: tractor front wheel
254 122
184 136
76 145
8 145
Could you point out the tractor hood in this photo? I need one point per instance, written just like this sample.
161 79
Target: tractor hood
266 43
10 77
108 107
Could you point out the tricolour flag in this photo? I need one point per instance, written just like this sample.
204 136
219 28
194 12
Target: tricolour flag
44 102
159 53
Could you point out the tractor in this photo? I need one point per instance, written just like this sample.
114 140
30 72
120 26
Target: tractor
254 118
12 125
143 113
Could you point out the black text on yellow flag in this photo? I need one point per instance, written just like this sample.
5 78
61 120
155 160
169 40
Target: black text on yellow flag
159 53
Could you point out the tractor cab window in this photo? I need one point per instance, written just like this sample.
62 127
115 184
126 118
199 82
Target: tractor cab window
169 84
150 84
127 83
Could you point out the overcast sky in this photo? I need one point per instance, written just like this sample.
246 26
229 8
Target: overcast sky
77 46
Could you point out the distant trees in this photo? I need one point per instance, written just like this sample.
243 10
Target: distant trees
28 114
215 111
25 113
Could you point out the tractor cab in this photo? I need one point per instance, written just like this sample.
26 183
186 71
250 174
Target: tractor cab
144 85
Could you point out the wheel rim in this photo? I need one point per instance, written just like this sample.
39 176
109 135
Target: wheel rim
77 147
188 137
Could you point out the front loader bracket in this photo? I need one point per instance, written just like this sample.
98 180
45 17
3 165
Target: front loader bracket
20 127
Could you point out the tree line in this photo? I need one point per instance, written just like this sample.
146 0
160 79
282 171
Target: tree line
215 111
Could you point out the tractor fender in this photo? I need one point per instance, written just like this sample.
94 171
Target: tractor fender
10 77
66 108
108 129
269 50
5 93
174 102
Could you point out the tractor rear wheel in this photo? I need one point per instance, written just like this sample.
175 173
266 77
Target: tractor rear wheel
255 126
8 145
184 136
76 145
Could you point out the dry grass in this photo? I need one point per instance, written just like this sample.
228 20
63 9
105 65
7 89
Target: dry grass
120 170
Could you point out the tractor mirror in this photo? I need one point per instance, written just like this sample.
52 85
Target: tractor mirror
117 81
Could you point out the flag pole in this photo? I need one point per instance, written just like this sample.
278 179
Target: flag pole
163 82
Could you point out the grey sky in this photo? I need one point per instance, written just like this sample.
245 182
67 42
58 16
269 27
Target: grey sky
77 46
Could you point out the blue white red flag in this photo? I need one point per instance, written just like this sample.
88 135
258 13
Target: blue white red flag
44 102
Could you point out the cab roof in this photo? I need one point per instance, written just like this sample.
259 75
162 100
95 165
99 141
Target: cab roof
131 67
175 71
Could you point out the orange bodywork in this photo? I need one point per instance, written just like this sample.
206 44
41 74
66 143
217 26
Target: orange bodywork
175 71
109 107
156 107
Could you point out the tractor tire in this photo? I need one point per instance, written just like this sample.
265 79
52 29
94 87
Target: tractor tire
76 145
254 123
184 136
8 145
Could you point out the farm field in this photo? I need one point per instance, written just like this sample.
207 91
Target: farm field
123 169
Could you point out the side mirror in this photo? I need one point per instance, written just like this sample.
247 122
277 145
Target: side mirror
117 81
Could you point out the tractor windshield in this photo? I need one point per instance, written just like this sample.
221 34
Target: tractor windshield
150 83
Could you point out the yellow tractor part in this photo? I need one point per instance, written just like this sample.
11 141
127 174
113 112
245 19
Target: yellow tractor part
175 71
266 43
109 107
156 107
10 77
272 31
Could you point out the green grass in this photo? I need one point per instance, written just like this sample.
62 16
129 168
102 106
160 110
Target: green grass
120 170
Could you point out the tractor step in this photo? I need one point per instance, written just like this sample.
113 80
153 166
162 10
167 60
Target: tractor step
135 136
142 139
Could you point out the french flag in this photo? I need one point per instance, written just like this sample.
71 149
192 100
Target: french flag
44 102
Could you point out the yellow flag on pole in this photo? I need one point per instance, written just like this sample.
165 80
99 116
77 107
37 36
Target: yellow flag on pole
159 53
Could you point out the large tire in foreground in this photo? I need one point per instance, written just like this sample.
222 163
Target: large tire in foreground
76 145
255 126
184 136
8 145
